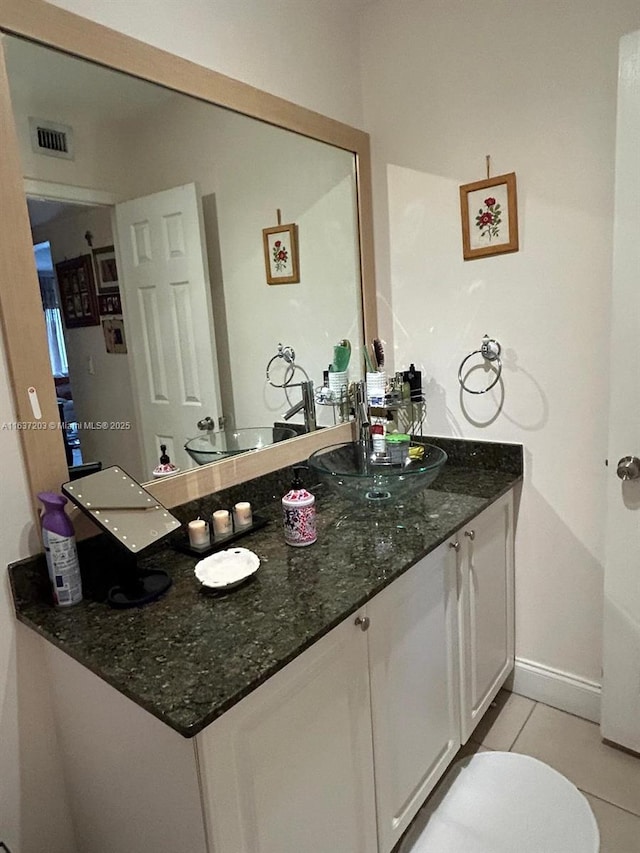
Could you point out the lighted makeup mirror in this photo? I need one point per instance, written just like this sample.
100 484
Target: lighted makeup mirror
134 519
19 292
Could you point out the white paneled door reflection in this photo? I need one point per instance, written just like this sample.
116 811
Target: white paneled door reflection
164 280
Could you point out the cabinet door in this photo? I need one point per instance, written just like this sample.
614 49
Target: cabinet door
132 781
485 609
414 696
290 767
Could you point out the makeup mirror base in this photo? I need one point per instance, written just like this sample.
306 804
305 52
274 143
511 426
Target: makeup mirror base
140 587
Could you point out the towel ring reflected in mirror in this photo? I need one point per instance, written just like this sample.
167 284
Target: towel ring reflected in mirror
490 351
288 355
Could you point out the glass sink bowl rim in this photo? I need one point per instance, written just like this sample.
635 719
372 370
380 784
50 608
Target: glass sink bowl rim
244 439
379 482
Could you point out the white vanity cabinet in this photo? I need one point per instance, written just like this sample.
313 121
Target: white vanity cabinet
414 698
290 767
334 753
132 782
485 571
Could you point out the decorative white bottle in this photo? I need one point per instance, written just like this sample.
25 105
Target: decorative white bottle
299 515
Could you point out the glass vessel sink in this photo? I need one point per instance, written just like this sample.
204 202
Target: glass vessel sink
348 469
212 446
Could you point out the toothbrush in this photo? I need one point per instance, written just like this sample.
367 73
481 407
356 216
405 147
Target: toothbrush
378 351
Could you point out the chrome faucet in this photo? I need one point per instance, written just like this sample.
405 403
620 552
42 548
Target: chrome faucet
307 403
361 413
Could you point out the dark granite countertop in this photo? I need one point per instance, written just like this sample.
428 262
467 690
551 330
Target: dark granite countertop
190 656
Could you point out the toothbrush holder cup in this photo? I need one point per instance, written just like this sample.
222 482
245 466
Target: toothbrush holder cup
376 388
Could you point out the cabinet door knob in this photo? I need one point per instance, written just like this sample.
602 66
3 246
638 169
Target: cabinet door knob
455 545
471 534
363 622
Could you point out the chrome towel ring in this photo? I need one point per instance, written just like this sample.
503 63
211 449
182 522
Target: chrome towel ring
287 354
490 352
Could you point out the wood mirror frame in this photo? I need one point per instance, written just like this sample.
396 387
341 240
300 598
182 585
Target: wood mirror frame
22 315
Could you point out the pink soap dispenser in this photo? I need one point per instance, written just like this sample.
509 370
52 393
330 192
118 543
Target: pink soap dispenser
299 514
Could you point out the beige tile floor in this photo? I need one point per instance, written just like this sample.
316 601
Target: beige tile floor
609 777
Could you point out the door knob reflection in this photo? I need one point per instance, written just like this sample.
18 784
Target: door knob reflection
629 468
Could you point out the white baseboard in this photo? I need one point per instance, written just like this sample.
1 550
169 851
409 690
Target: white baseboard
562 690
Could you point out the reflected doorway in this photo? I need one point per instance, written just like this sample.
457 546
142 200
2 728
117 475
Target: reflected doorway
50 296
94 384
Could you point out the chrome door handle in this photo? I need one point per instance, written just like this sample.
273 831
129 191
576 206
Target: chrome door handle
471 534
363 622
206 424
455 545
629 468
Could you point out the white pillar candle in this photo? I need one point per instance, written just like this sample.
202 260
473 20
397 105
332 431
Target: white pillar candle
242 514
222 522
198 534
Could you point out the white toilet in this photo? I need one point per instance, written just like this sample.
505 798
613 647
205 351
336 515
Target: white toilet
503 802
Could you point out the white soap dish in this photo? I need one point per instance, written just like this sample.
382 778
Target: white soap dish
227 569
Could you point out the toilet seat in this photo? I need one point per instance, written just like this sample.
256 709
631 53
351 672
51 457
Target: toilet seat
501 802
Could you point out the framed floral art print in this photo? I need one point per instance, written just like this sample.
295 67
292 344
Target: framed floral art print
489 217
281 254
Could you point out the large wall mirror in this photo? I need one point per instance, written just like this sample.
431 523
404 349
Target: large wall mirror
135 264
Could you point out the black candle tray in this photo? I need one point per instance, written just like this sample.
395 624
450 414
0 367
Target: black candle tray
221 542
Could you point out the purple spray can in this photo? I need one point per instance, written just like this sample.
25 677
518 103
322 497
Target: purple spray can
59 542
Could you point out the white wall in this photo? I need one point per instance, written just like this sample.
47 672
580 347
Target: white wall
69 99
534 86
319 69
303 50
33 804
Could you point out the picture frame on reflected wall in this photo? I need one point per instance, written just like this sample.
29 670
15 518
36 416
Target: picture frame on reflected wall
489 211
114 339
78 299
106 271
109 304
281 254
